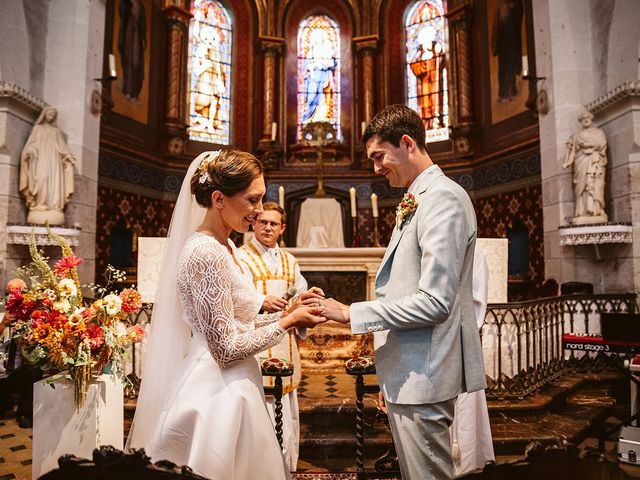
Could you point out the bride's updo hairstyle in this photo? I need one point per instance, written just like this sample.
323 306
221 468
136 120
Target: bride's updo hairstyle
229 171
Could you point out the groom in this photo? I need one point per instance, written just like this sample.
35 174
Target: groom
424 303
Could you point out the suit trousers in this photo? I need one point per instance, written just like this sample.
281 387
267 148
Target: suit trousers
422 439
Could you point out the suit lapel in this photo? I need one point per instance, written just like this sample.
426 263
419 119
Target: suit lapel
397 233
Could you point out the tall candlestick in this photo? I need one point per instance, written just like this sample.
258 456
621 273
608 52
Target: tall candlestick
352 194
281 196
376 233
374 205
112 65
363 127
525 66
274 131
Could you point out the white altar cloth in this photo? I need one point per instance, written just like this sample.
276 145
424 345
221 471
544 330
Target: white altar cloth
324 213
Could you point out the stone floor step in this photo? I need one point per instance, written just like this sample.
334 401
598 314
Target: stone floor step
327 444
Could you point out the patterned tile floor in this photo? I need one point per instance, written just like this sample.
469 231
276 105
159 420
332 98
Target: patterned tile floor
15 451
320 388
329 387
316 389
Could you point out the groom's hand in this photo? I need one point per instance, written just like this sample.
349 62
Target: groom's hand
313 296
336 311
382 406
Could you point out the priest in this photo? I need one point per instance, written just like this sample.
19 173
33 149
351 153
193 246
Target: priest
275 272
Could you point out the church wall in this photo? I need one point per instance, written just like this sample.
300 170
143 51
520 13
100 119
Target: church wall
49 54
137 192
588 54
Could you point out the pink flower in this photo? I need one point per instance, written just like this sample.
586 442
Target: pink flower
18 306
95 335
64 266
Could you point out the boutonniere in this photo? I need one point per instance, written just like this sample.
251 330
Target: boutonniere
406 208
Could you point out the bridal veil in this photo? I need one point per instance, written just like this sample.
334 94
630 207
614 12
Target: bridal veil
168 342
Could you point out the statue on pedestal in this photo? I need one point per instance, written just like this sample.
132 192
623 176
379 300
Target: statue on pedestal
46 171
587 153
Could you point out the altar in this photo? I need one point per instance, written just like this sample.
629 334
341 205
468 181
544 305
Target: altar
347 274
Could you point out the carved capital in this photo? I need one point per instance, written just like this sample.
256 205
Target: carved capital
271 45
367 44
461 14
176 12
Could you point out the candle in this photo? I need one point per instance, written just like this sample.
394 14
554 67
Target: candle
352 195
374 205
363 127
525 66
112 65
281 196
274 131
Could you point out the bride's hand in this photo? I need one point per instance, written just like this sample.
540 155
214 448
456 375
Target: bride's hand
311 297
304 316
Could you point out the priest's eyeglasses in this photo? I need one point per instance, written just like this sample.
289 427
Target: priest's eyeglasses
266 223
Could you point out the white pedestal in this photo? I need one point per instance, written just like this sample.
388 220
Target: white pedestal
59 429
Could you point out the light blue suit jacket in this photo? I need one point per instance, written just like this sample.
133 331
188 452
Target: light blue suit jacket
424 298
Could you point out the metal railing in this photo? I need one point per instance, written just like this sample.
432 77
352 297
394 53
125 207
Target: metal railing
522 342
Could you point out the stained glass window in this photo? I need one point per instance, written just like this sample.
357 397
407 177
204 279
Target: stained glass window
210 38
318 72
426 46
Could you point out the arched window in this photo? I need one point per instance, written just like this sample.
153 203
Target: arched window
426 47
318 72
210 41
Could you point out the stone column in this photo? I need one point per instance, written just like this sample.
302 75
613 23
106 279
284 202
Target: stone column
461 28
74 58
366 46
461 114
177 19
563 69
271 47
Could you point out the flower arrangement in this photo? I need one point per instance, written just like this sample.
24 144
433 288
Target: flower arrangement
407 206
58 332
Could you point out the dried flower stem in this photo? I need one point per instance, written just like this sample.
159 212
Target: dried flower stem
40 263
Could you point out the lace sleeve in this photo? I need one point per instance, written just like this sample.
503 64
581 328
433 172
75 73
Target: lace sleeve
267 318
205 277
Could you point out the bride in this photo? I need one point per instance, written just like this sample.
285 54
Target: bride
201 401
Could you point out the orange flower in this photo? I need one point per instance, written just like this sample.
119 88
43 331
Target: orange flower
41 331
65 265
16 285
135 334
131 300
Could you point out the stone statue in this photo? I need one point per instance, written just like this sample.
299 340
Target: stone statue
46 171
587 152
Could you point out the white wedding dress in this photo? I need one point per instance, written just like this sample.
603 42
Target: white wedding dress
216 421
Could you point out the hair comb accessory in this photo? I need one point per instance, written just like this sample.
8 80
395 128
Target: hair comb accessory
204 166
